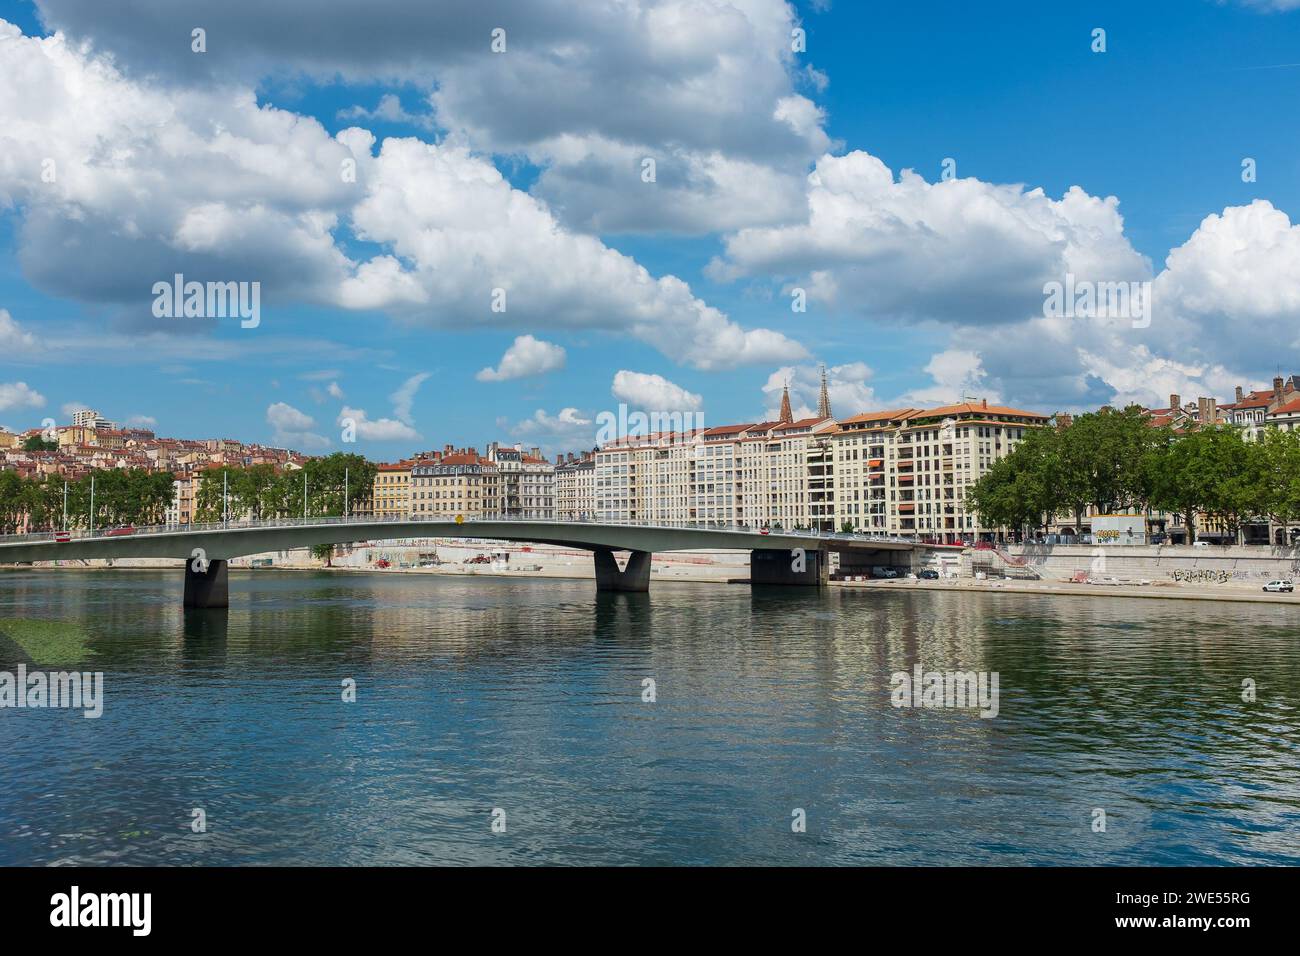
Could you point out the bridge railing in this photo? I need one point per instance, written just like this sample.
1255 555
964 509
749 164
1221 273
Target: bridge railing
244 524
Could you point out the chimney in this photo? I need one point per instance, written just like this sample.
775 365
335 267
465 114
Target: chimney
1277 389
1205 411
1175 402
1240 395
984 403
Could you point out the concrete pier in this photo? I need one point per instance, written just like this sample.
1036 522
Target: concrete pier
635 577
807 567
209 587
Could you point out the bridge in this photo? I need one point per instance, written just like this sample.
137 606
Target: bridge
776 557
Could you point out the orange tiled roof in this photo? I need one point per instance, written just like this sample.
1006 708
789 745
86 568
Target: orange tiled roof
967 408
889 415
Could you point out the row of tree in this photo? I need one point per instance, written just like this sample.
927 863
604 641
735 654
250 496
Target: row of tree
139 497
1112 461
121 496
262 493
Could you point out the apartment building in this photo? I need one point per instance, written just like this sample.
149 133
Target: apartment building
522 484
392 490
863 472
575 487
451 485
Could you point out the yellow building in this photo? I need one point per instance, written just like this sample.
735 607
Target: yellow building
392 490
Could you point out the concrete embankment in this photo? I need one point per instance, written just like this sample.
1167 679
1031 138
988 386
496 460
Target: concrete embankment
1177 592
1213 568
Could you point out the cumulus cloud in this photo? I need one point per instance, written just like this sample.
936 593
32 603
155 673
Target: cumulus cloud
149 181
653 393
380 429
388 110
706 87
526 356
15 341
955 250
141 421
17 395
293 428
848 387
567 430
466 233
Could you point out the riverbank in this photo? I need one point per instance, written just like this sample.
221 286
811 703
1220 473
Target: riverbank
1176 592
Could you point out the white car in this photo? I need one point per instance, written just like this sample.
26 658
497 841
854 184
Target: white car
1200 544
1280 586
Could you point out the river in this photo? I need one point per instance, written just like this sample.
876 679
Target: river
524 703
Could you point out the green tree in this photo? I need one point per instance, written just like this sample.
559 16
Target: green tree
1022 489
40 443
13 504
1181 472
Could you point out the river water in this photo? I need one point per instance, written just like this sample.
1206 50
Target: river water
521 702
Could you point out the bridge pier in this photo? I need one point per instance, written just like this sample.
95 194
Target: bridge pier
209 587
635 577
808 567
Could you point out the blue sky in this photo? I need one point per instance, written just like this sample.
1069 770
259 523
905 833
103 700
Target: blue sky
920 291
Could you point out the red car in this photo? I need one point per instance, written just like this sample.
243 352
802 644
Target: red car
126 529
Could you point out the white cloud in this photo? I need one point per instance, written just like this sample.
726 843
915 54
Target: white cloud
141 421
71 408
293 428
381 429
19 395
525 356
15 342
404 397
957 374
388 110
648 392
152 181
334 390
848 387
567 430
707 87
959 250
466 232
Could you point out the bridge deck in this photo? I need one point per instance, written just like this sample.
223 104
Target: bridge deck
217 542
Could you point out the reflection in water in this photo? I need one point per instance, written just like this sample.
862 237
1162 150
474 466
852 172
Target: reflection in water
526 695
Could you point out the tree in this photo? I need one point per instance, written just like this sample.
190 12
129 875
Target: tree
12 501
1280 452
1181 473
1103 458
1023 488
40 443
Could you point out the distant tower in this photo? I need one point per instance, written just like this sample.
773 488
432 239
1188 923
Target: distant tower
786 414
824 403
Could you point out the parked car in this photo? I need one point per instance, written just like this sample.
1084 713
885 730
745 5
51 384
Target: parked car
1200 544
883 572
1280 586
928 574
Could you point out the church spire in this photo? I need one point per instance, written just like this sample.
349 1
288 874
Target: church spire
786 415
824 403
